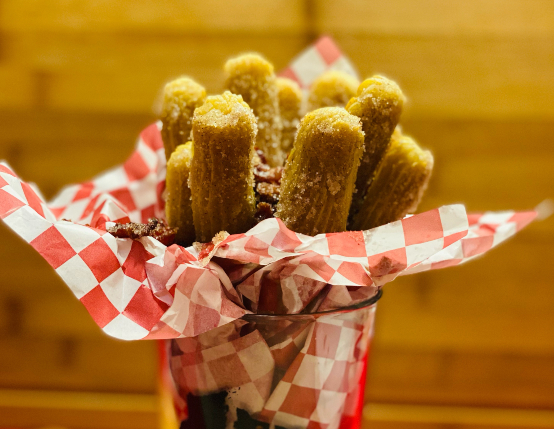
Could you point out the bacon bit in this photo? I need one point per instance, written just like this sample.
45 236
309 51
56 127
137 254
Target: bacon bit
263 211
267 186
155 228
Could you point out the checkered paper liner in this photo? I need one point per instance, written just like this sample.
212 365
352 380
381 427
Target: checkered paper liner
317 367
140 289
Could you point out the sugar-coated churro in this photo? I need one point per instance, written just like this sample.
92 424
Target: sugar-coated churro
221 179
290 107
378 104
398 186
318 180
332 89
252 76
181 97
178 206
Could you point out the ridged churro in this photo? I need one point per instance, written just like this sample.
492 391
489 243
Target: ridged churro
221 179
181 97
318 180
290 107
378 104
332 89
178 206
398 185
252 76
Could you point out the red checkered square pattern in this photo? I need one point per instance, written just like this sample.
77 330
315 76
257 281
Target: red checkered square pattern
324 55
435 239
314 389
221 359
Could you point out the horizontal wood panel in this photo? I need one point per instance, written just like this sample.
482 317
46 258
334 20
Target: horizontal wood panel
502 302
443 376
94 74
161 16
42 361
78 410
436 17
17 87
481 138
500 183
392 416
177 54
518 176
443 77
453 77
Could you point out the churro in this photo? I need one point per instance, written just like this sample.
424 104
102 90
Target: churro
221 180
332 89
252 77
378 104
181 97
290 107
318 180
398 185
178 206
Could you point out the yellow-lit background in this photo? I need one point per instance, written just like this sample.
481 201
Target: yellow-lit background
466 347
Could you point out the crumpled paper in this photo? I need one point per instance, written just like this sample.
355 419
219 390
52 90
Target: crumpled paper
141 289
303 372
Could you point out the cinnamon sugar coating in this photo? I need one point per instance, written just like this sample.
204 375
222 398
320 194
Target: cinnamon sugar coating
378 104
221 180
252 77
181 97
318 180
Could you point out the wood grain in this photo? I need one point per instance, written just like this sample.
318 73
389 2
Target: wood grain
77 410
389 416
164 16
471 18
79 79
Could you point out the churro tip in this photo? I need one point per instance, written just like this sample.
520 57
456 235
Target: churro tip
249 63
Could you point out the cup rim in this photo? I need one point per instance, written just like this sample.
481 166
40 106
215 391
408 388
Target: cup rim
362 304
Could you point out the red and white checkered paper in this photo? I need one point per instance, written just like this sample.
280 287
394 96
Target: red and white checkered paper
317 365
141 289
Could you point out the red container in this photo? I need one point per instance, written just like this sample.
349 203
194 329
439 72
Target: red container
277 371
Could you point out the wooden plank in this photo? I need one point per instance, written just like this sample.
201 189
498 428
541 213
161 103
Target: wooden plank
501 77
458 77
134 86
77 409
166 16
481 138
436 17
494 183
498 77
104 140
86 51
441 376
73 363
17 86
491 303
93 143
429 417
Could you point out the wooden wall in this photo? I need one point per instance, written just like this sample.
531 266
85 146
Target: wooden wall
80 78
